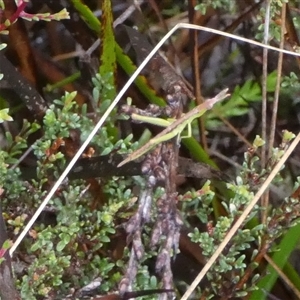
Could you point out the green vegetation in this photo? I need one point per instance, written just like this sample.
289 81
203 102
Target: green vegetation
127 229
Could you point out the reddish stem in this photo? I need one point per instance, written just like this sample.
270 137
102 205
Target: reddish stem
2 252
14 17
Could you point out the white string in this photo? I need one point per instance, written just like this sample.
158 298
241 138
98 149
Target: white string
113 104
241 219
85 144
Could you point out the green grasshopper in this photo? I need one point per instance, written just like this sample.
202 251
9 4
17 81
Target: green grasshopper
174 128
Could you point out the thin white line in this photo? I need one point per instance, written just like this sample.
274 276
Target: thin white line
235 37
113 104
241 219
85 144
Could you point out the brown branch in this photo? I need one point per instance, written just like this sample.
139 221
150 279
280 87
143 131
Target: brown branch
102 166
21 87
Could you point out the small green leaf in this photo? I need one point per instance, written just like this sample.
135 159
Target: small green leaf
35 246
7 244
4 116
106 151
104 239
60 246
258 142
287 136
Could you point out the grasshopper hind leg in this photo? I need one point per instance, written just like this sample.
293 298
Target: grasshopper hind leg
188 135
